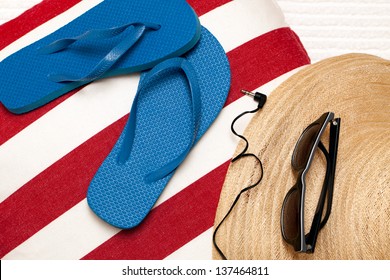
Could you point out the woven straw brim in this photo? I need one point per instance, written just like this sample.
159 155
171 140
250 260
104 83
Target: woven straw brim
356 87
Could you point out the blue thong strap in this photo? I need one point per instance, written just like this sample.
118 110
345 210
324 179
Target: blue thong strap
137 30
190 74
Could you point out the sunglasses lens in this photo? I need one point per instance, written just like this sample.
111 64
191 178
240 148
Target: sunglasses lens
290 214
304 146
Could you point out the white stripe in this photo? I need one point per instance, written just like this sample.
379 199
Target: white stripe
55 241
83 115
244 18
10 9
198 248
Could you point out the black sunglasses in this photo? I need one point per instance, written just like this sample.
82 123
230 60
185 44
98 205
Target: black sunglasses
292 216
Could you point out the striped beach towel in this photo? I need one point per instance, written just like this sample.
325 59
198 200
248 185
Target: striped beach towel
49 156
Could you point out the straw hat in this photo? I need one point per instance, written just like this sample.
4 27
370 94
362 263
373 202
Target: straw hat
356 87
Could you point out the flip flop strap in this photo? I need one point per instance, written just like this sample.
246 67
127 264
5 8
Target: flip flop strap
186 67
137 30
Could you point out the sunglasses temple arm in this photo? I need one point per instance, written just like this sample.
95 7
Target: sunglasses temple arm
333 148
327 189
311 237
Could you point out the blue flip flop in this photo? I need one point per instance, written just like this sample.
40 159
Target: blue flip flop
113 38
175 104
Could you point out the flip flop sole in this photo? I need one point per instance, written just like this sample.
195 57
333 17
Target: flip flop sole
119 193
24 75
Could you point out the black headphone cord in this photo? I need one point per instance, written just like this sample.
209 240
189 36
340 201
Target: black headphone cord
261 99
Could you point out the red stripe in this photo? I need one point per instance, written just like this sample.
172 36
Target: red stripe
170 225
204 6
32 18
13 124
64 184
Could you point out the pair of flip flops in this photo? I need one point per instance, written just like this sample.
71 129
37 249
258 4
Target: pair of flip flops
176 101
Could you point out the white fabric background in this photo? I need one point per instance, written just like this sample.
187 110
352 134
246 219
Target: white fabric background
333 27
326 27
